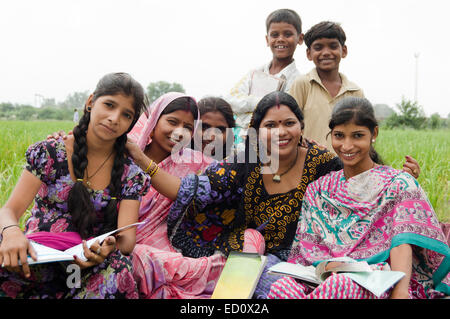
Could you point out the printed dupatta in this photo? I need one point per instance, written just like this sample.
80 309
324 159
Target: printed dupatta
368 215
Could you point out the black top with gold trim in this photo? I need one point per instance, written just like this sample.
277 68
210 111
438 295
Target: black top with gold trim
213 210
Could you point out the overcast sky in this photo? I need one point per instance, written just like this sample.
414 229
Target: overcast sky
56 47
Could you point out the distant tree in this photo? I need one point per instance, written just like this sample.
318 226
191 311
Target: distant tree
382 111
7 110
54 113
411 115
6 107
156 89
75 100
435 121
48 102
26 112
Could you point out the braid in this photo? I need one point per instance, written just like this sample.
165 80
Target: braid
79 156
115 185
374 156
79 202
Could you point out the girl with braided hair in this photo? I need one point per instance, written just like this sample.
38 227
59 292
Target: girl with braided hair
83 186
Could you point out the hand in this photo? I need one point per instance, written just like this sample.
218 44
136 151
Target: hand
311 141
134 150
96 254
59 134
16 247
411 166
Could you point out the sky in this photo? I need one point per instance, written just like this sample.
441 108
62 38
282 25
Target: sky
52 48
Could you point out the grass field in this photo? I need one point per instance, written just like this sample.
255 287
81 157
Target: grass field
15 138
430 148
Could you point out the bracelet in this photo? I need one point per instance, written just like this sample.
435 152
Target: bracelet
1 234
148 167
154 171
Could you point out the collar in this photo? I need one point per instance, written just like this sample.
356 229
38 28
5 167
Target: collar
346 84
291 67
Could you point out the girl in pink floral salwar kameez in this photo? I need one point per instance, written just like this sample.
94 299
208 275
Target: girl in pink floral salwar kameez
370 212
159 269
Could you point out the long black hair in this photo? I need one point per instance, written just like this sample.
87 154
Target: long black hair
79 200
359 111
184 103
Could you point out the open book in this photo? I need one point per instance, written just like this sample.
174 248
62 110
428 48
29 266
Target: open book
263 83
376 281
46 254
239 276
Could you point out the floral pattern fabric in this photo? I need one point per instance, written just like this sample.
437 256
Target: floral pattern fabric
47 160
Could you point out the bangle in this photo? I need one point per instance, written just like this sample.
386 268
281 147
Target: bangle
148 167
1 234
154 171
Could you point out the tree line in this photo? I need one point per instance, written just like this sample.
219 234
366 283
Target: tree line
408 114
63 111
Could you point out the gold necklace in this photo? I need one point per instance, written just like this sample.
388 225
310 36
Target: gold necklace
88 183
277 177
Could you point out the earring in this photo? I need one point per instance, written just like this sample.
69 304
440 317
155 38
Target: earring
373 140
89 108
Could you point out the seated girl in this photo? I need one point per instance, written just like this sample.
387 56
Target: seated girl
367 211
161 138
83 186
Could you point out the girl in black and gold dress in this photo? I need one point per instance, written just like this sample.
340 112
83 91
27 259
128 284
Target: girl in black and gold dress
213 210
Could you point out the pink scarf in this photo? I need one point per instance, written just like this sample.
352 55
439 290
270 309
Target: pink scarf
154 206
60 241
145 125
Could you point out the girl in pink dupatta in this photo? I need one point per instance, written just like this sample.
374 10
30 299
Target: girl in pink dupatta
160 271
367 211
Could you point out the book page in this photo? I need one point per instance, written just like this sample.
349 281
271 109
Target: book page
346 267
305 273
78 249
377 281
263 84
47 254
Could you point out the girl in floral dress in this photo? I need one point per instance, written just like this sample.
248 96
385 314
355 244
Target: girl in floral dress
82 186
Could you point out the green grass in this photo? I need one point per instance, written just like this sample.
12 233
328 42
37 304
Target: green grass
430 148
15 138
